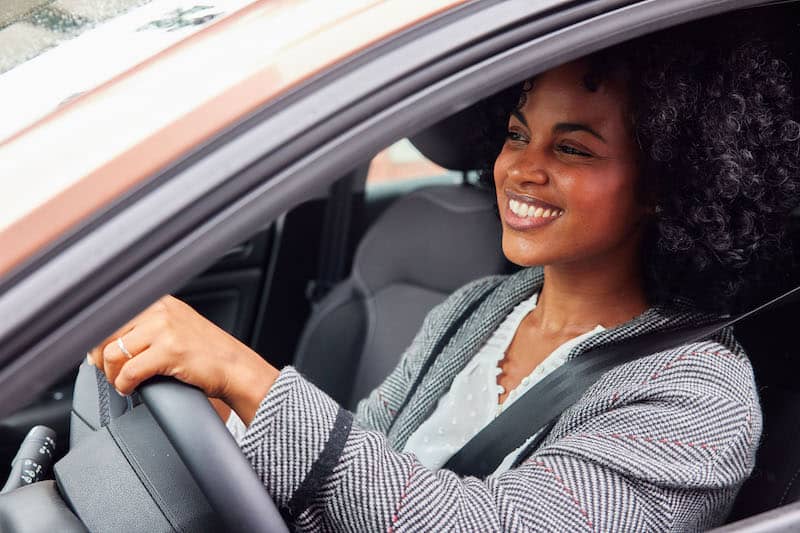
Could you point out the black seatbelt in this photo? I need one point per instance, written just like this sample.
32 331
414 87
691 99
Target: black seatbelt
335 234
543 404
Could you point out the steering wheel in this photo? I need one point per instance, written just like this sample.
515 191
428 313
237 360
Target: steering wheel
210 453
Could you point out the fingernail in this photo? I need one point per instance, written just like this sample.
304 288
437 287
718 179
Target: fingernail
121 394
89 359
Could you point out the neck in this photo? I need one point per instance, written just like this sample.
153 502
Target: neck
576 298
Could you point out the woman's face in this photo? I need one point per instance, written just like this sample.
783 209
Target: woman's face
566 177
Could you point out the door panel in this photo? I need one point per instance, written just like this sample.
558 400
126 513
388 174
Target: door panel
228 299
228 293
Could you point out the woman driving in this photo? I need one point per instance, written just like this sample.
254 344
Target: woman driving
644 188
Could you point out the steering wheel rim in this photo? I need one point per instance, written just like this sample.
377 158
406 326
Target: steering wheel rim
212 456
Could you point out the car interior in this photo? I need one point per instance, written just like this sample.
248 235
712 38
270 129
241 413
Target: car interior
337 287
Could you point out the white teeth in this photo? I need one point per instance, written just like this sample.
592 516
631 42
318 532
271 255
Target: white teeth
524 210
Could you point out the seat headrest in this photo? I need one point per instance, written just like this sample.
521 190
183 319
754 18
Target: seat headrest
470 138
439 238
451 142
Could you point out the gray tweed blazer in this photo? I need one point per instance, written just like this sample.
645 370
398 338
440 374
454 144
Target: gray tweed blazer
662 443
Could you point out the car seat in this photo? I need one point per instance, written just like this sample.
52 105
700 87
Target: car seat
423 247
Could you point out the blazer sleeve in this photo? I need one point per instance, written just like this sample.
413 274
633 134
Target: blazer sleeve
659 444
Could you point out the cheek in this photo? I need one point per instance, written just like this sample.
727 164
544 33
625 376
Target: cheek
609 207
609 191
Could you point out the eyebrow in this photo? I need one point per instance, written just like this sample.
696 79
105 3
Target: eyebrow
561 127
519 116
566 127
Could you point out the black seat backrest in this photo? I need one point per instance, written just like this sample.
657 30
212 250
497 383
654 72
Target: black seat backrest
422 248
769 341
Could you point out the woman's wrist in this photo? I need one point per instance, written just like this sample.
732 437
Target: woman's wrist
248 384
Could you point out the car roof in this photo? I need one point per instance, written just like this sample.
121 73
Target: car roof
100 145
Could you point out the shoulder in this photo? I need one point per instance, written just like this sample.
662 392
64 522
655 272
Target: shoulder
704 388
707 368
716 366
512 287
690 414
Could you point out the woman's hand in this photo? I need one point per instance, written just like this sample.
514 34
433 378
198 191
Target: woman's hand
171 339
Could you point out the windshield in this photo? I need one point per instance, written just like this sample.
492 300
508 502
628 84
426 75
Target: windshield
54 50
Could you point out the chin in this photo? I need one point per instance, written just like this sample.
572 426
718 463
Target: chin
525 253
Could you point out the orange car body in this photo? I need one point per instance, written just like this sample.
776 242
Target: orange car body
88 152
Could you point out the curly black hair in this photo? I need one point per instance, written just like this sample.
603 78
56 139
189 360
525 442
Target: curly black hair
719 152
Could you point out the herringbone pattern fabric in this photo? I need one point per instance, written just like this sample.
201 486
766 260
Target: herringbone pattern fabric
658 444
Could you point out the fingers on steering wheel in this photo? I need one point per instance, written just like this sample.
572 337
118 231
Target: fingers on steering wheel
143 366
96 354
135 341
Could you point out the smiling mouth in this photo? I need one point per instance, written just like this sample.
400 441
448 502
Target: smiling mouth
528 207
524 209
523 212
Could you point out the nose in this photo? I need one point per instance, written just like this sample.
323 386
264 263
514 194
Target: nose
528 168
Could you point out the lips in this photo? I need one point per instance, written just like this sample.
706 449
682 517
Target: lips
526 212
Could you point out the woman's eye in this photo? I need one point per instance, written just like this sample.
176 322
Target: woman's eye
571 150
515 136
